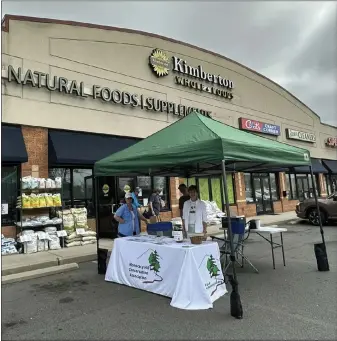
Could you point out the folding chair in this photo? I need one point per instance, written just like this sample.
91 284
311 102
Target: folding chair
238 232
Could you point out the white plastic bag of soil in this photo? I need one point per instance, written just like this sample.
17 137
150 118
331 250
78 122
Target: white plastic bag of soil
42 241
54 242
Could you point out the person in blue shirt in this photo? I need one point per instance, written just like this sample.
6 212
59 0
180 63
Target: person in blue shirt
134 194
128 218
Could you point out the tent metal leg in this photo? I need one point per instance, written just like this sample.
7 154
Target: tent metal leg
322 260
230 235
284 260
272 250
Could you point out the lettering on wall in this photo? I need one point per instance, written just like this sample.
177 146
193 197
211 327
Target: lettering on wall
300 135
331 142
259 127
114 96
213 84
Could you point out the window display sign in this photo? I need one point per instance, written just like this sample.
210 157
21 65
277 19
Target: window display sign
300 135
4 209
259 127
331 142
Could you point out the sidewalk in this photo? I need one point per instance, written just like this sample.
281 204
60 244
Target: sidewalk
13 264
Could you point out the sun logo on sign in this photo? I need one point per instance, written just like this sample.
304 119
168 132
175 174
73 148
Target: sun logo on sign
159 62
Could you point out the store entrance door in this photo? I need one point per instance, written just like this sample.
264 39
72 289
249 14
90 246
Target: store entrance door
263 198
303 186
107 205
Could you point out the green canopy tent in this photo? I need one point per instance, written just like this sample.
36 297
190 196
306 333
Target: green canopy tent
198 145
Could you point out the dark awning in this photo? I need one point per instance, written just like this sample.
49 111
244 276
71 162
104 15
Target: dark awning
331 165
13 148
317 167
77 148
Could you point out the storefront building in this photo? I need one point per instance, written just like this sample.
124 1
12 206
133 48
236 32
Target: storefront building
74 93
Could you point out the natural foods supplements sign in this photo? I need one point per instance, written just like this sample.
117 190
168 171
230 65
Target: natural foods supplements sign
190 75
38 79
259 127
300 135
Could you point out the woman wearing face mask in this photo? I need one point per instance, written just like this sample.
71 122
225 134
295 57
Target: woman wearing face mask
194 213
128 217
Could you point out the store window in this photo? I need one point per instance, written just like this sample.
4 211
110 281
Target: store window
331 181
216 191
204 189
191 181
146 184
249 188
212 189
274 185
9 193
77 187
291 186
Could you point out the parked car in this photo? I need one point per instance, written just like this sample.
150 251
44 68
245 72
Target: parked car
328 208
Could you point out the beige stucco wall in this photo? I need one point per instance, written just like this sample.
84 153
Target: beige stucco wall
119 60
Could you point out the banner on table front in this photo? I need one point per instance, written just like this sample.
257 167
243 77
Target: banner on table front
190 274
145 266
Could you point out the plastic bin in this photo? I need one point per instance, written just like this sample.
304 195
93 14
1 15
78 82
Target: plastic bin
238 224
162 228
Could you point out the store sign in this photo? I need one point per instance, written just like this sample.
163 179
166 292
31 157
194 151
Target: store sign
4 209
300 135
114 96
259 127
215 84
331 142
105 190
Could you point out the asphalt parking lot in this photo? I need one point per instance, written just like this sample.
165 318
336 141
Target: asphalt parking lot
293 302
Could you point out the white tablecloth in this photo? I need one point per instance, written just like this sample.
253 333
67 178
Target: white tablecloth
190 274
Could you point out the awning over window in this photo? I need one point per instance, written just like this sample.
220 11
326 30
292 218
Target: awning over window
331 165
317 167
13 148
76 148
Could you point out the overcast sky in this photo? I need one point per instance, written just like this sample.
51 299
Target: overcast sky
292 43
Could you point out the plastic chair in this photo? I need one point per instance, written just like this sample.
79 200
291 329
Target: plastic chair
160 229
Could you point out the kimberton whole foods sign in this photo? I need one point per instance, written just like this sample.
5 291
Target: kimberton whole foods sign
115 96
191 76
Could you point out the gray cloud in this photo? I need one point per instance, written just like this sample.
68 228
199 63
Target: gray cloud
292 43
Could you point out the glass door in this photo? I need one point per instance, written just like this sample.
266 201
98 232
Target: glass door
263 195
303 186
258 195
267 195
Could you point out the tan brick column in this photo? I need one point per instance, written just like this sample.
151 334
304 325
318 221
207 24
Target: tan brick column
282 187
36 141
322 185
240 193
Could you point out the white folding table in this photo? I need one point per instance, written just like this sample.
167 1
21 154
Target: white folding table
190 274
274 245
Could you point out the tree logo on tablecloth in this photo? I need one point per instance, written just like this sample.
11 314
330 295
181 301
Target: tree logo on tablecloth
153 267
212 267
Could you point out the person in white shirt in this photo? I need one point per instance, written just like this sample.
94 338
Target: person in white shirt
194 213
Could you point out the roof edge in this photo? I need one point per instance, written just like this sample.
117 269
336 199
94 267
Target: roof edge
8 17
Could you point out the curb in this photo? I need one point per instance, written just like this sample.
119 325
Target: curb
77 259
29 267
23 276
